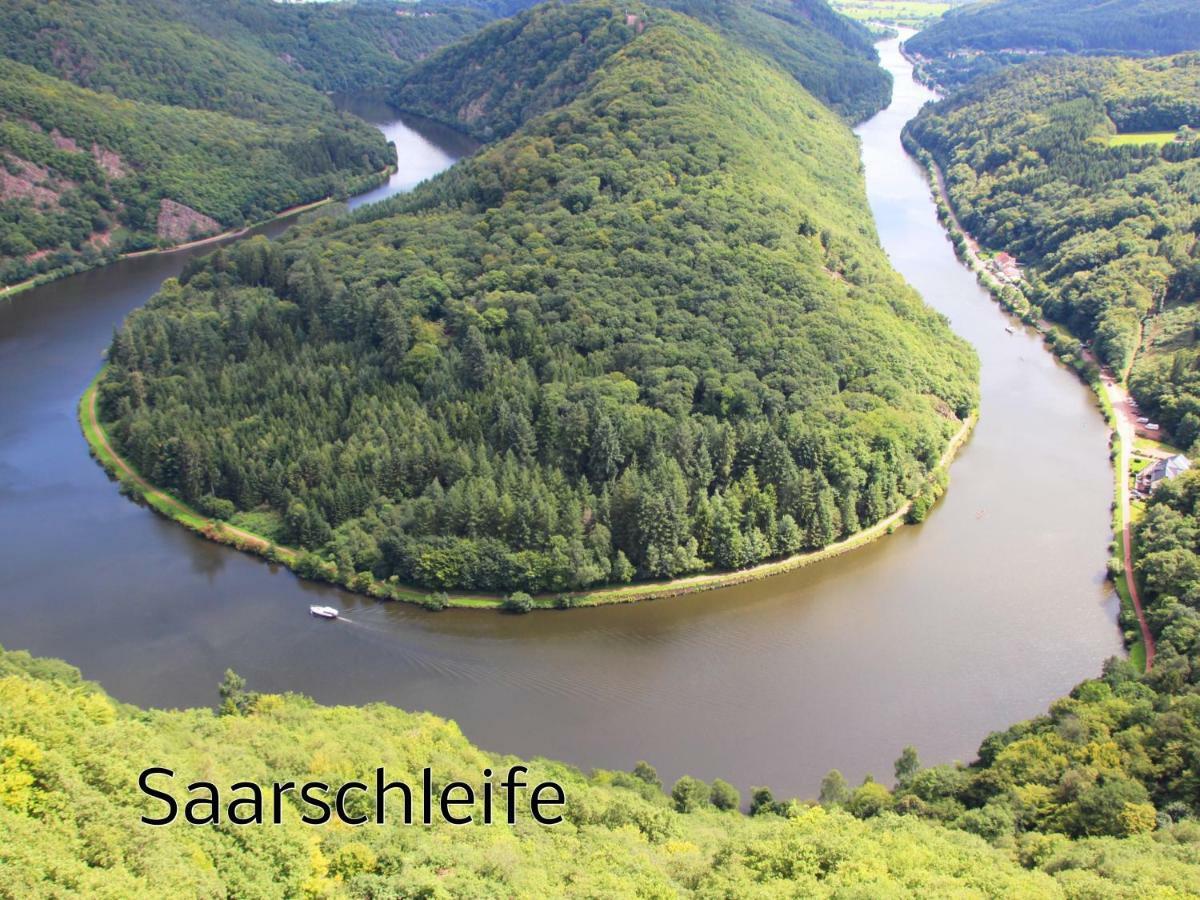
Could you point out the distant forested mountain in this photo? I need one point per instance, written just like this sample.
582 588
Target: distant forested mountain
649 333
127 124
972 40
832 56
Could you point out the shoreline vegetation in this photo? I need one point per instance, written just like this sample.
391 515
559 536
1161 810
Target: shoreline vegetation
366 183
1012 300
137 487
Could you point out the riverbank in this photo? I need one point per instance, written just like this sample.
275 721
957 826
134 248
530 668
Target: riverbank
302 563
1110 397
365 183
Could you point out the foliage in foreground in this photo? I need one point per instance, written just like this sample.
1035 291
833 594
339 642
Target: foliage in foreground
646 335
69 809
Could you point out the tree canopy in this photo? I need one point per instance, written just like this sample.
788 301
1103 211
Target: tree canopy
70 758
109 108
978 38
533 66
650 333
1105 228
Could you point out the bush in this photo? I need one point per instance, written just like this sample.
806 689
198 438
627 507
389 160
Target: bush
690 794
724 795
869 800
517 602
643 771
216 507
436 601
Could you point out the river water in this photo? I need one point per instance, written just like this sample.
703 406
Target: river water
933 636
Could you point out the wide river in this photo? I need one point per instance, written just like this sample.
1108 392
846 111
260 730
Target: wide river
932 637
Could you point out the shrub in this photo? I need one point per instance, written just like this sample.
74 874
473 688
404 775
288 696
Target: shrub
724 795
517 602
690 794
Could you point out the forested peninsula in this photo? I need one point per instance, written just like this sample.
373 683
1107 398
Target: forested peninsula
128 125
979 38
530 70
650 333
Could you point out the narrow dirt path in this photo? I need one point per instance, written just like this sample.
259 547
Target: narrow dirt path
1126 432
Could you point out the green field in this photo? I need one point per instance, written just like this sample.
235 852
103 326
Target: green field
914 13
1141 137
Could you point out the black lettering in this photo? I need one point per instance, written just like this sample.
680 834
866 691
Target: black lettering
306 796
536 801
214 814
279 790
172 806
448 801
381 789
254 802
340 803
511 783
487 797
427 791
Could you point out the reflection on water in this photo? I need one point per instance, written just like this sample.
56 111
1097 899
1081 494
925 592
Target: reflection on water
423 147
931 637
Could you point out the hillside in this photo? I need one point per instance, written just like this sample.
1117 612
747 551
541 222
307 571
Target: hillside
130 124
70 759
972 40
88 175
253 59
1072 166
532 70
650 333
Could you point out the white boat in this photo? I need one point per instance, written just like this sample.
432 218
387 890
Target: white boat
1009 330
324 612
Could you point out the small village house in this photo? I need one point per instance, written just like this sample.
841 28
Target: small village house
1162 470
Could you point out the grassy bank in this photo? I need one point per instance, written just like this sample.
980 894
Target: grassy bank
134 485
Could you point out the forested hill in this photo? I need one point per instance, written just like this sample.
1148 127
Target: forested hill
1077 167
532 69
650 333
129 124
250 58
70 758
972 40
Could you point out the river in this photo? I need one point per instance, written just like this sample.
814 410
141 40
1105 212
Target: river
933 636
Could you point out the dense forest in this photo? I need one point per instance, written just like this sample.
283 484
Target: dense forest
87 175
70 757
531 69
1082 169
980 38
1043 161
130 124
650 333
